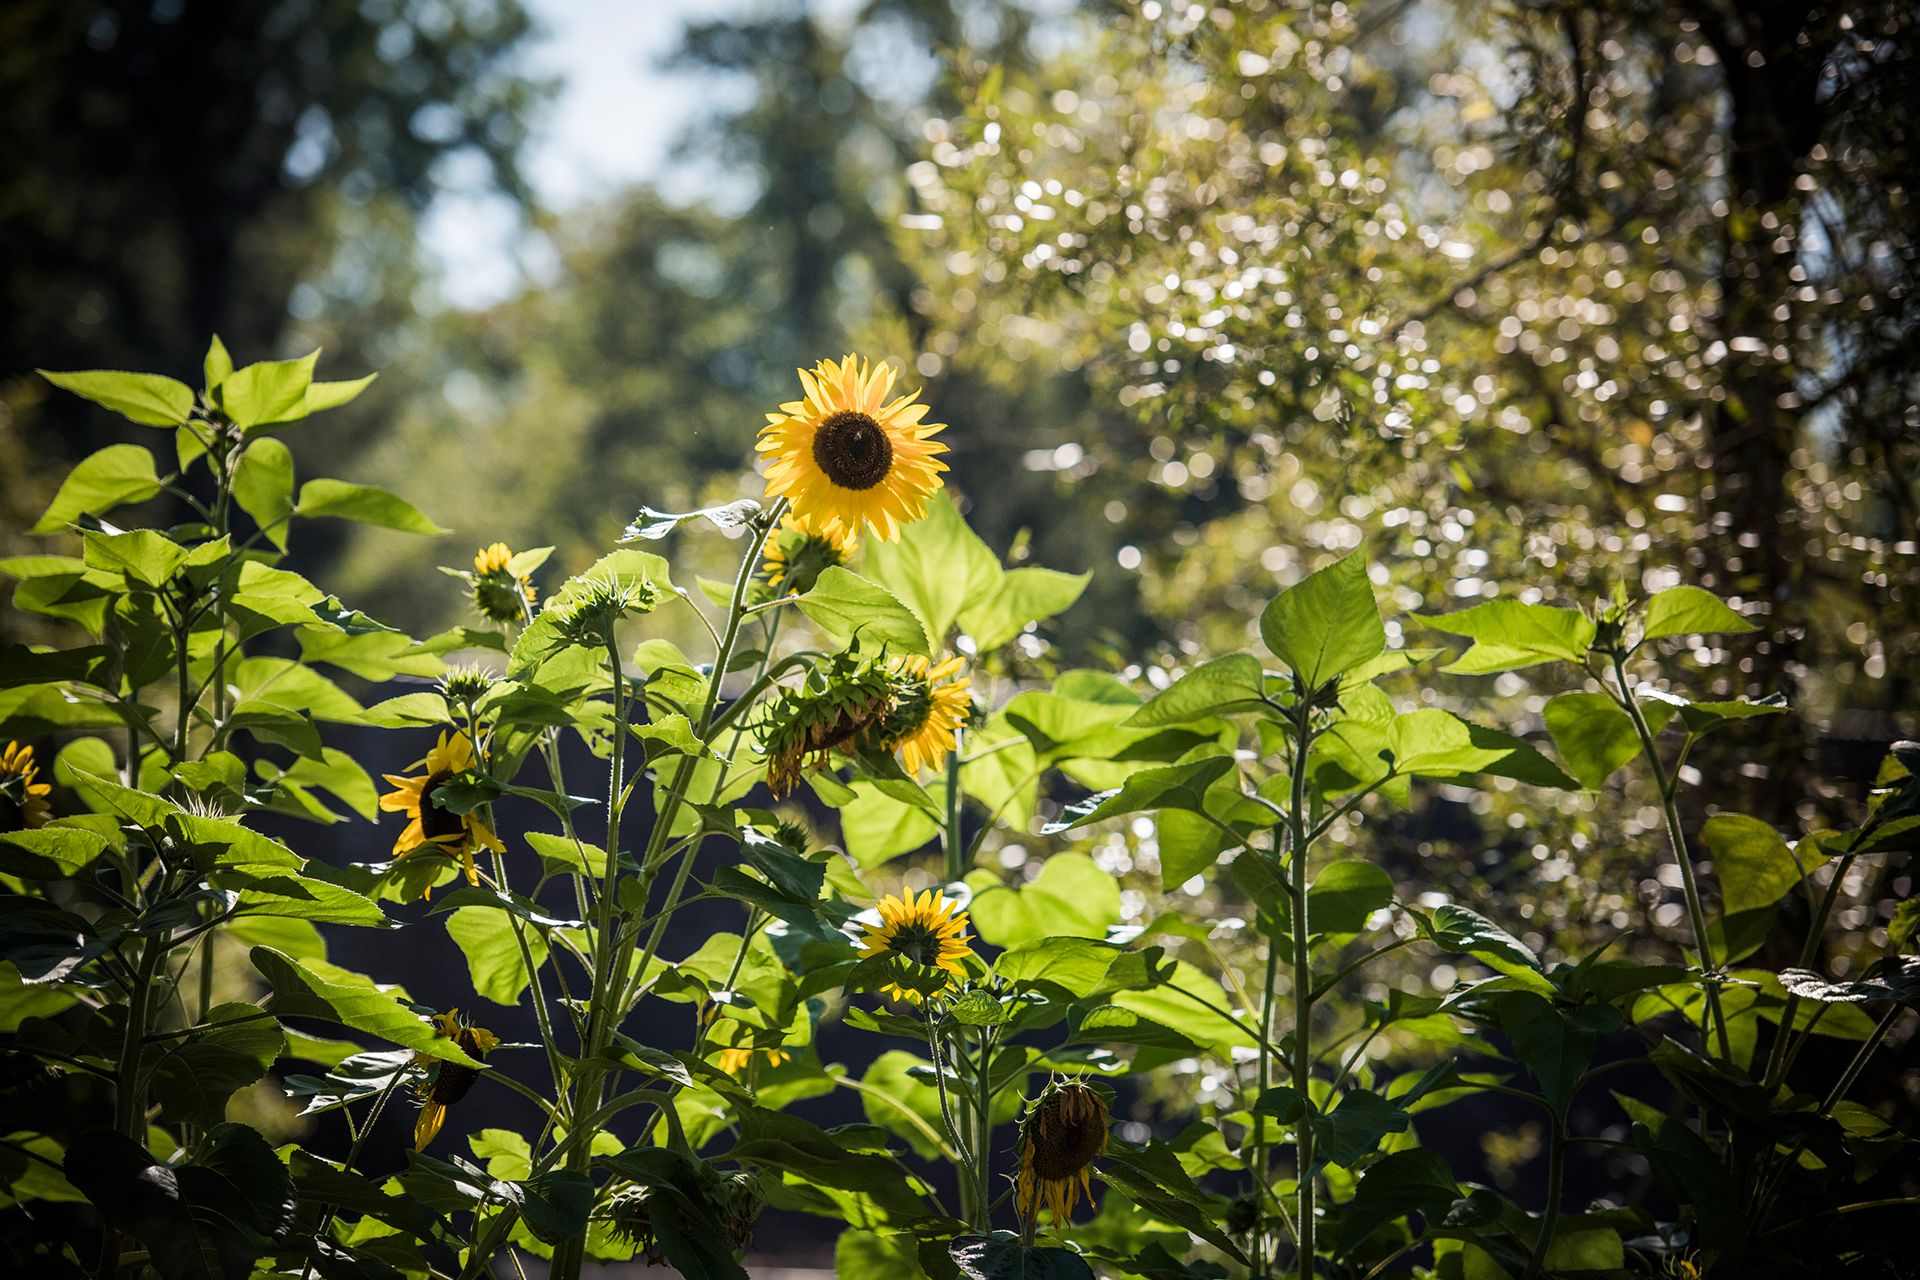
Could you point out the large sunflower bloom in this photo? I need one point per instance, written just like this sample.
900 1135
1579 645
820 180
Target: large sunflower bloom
454 834
1064 1131
447 1082
926 930
925 720
846 456
17 774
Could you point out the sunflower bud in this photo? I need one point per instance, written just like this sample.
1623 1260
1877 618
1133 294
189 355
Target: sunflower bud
466 683
1064 1132
589 607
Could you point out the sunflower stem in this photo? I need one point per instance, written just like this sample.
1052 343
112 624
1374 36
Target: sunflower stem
956 848
970 1179
1302 976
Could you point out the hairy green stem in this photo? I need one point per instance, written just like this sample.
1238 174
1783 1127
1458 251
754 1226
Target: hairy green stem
1550 1217
956 850
1669 805
1302 975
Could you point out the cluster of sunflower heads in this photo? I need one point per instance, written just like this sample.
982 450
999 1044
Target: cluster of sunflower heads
501 582
1062 1134
653 1218
795 557
836 708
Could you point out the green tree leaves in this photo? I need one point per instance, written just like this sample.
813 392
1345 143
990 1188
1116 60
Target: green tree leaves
115 476
146 398
1326 624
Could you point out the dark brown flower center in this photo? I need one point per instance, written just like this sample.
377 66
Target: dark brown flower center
1067 1131
436 822
852 451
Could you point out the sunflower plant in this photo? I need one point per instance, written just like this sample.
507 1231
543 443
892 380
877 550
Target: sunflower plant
161 952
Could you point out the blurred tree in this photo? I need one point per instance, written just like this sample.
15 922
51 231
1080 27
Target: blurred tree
171 168
1531 295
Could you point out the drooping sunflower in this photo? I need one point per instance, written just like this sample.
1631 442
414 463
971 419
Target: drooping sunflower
17 774
929 706
926 930
797 554
1063 1133
846 456
839 701
449 833
447 1082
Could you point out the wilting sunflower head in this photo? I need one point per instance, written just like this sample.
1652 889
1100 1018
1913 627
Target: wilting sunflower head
840 700
930 704
797 554
740 1200
447 1082
1064 1132
23 802
927 930
628 1217
436 829
846 456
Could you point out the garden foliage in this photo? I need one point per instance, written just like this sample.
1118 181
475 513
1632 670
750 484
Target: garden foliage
184 714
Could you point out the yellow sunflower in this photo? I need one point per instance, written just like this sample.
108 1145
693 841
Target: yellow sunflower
734 1061
17 774
1064 1131
447 1082
797 554
498 593
926 930
454 834
845 456
924 722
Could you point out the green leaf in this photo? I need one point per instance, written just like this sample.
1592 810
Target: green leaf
116 475
1556 1046
196 1080
493 955
1508 635
1070 898
1023 596
1002 1256
1594 736
299 992
1691 1172
1165 1004
1221 687
263 486
1412 1181
331 395
1680 611
1456 928
1327 624
555 1205
875 826
146 398
305 898
409 710
1111 1024
362 503
939 568
1702 717
1753 863
51 853
1177 786
142 555
847 605
218 364
1076 963
1345 894
271 391
1353 1129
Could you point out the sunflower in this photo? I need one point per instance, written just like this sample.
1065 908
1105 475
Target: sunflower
447 1082
17 774
797 554
734 1061
1064 1131
500 594
929 706
454 834
846 457
840 701
925 930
